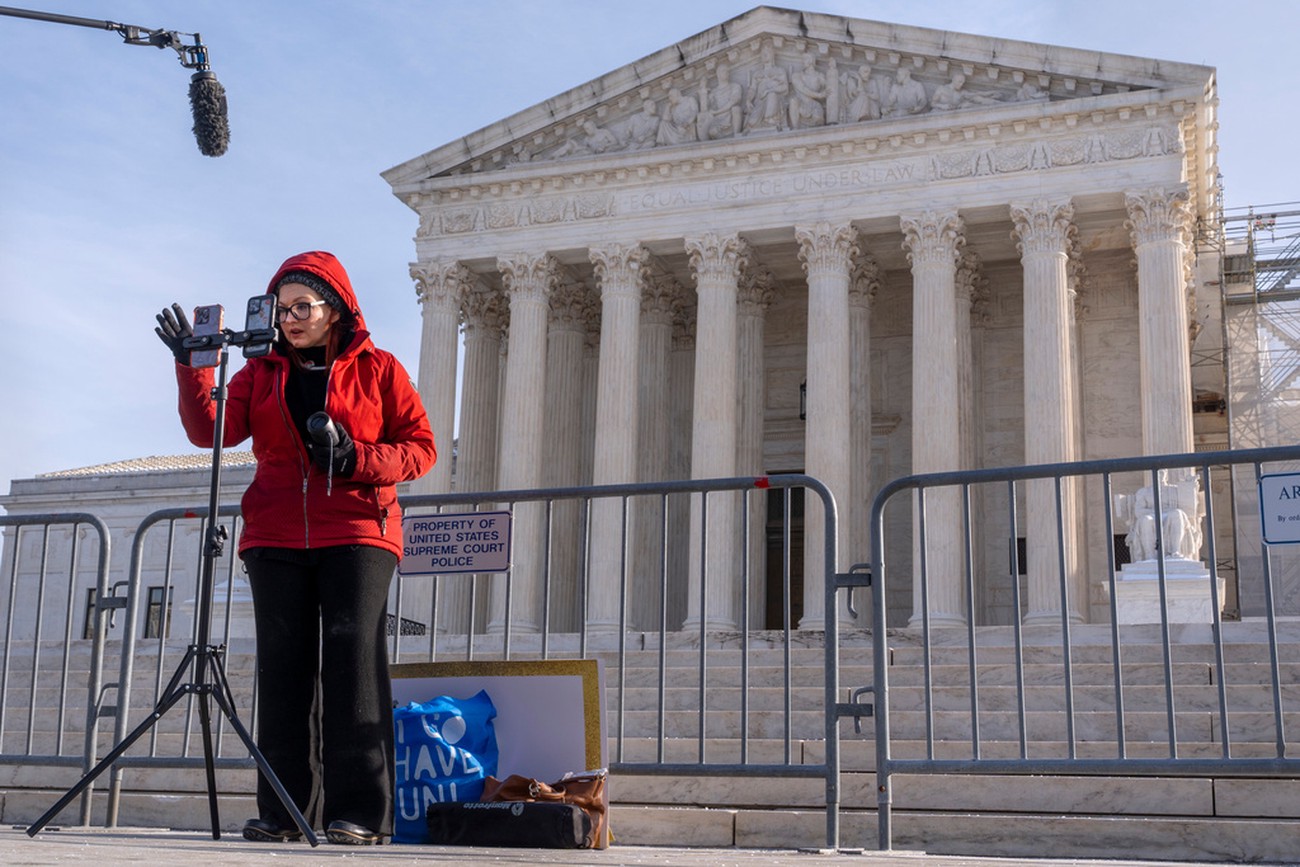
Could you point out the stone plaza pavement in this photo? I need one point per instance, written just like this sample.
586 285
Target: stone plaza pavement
157 846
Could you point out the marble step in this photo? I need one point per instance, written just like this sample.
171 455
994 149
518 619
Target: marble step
1163 834
1169 838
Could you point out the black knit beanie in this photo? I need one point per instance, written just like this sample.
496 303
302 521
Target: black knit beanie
318 285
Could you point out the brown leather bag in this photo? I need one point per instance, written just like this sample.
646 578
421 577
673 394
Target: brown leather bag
585 791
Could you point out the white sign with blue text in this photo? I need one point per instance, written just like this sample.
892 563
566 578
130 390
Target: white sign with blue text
1279 508
453 544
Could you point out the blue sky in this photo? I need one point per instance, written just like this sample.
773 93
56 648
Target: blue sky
108 211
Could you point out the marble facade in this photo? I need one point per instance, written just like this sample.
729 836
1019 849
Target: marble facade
1006 229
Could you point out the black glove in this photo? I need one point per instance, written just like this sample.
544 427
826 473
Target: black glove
173 328
341 459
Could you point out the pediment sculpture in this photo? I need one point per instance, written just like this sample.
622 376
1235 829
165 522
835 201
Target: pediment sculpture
777 85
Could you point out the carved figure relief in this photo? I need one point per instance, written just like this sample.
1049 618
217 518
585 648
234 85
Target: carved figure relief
907 96
678 123
724 113
802 88
773 86
808 101
862 93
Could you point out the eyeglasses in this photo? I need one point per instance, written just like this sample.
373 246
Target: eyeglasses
299 311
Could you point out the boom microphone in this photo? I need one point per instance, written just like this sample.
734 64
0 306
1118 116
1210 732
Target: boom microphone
207 96
208 105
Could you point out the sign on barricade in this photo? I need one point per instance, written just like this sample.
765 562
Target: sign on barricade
452 544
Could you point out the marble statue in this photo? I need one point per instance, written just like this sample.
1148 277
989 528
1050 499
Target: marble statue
1181 508
808 103
906 96
862 94
677 126
593 140
954 95
1029 91
768 87
643 127
723 112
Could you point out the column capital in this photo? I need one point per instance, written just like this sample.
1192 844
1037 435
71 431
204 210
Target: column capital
483 309
440 281
933 237
529 274
661 294
756 290
717 257
1157 215
824 248
972 286
571 303
1042 226
864 281
684 327
619 266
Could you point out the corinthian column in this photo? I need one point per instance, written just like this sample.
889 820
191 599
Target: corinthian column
618 271
827 253
438 286
661 298
1044 230
681 405
1159 221
934 241
529 280
484 312
571 302
856 516
755 296
717 261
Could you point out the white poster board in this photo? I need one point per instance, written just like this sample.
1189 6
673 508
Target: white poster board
550 713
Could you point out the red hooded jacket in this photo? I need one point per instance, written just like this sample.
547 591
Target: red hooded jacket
368 393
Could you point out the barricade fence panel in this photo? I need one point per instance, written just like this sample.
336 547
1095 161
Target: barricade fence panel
1114 655
51 664
691 593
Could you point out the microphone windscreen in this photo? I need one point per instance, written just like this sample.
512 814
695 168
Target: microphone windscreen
208 104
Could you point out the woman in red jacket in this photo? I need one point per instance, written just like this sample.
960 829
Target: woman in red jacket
322 536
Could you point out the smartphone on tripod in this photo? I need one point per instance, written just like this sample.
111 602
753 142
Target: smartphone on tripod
208 319
260 318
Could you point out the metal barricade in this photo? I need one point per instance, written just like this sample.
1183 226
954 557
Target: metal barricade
684 740
26 666
148 752
980 738
681 725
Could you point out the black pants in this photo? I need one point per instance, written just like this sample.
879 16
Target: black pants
325 701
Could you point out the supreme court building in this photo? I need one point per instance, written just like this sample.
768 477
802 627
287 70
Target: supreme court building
804 243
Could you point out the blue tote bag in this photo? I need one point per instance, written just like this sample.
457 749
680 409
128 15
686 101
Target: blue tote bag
445 748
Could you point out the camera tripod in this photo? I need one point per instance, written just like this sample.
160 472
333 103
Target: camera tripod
202 660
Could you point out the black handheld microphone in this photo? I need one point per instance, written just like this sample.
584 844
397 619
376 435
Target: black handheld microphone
208 105
322 430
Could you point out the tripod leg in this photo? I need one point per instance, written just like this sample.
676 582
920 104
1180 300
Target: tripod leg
205 722
225 701
168 700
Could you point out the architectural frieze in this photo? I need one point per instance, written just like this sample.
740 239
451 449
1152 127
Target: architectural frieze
773 85
850 165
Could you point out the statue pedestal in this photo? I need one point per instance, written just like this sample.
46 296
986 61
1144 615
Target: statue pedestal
1187 592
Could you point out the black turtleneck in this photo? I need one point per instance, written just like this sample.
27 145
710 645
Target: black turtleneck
305 392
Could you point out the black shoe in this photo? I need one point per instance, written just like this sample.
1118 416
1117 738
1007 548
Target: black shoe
349 834
264 831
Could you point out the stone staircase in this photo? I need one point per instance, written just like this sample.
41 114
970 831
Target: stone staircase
1199 817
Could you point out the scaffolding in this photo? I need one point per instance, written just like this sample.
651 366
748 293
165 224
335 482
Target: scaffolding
1260 290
